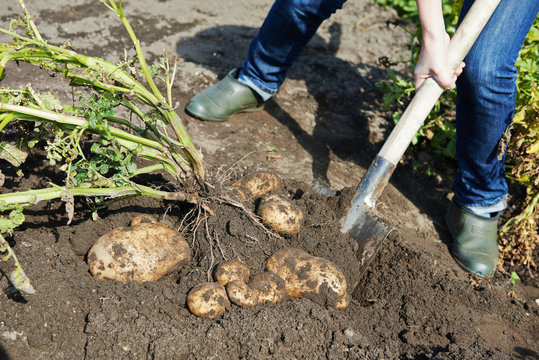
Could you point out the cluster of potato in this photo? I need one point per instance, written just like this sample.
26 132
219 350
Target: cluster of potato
277 211
290 273
144 251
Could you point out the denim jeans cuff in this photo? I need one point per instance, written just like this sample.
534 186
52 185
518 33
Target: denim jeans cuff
484 209
264 93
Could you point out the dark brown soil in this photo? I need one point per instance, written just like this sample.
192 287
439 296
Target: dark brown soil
414 302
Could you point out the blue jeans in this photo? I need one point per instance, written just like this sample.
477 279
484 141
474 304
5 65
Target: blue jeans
286 30
486 94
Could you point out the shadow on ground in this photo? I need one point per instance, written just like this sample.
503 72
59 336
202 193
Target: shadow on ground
338 88
3 354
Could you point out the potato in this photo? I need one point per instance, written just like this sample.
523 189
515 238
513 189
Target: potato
230 271
143 252
262 288
280 214
208 300
240 294
308 276
257 184
269 287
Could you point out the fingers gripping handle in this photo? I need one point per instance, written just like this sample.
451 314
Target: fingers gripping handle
429 92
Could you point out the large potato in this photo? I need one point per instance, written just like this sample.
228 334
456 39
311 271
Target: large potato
308 276
143 252
257 184
280 214
208 300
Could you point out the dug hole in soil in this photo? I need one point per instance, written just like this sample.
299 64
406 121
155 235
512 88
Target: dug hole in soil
325 123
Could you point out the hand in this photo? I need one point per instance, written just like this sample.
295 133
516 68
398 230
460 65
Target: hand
433 62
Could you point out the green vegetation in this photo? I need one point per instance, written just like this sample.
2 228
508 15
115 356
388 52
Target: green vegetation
117 108
519 236
514 278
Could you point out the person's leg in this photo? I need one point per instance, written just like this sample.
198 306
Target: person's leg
288 27
485 105
486 93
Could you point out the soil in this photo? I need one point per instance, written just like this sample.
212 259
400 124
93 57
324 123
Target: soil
323 127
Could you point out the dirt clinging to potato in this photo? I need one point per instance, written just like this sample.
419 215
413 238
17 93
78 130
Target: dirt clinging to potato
144 251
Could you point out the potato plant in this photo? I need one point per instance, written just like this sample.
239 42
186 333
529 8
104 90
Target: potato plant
151 133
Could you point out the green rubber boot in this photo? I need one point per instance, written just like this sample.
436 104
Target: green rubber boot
475 246
224 99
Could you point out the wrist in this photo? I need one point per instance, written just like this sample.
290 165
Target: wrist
434 35
435 31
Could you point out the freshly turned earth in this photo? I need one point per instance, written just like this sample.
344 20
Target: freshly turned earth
326 124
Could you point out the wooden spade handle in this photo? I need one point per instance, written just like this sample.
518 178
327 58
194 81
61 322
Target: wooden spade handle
429 92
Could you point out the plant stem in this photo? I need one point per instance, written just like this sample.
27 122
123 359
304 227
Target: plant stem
17 277
149 169
138 49
32 197
30 21
78 122
6 119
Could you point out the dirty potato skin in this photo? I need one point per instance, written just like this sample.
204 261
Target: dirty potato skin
240 294
280 214
257 184
262 288
308 276
140 253
230 271
269 287
208 300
